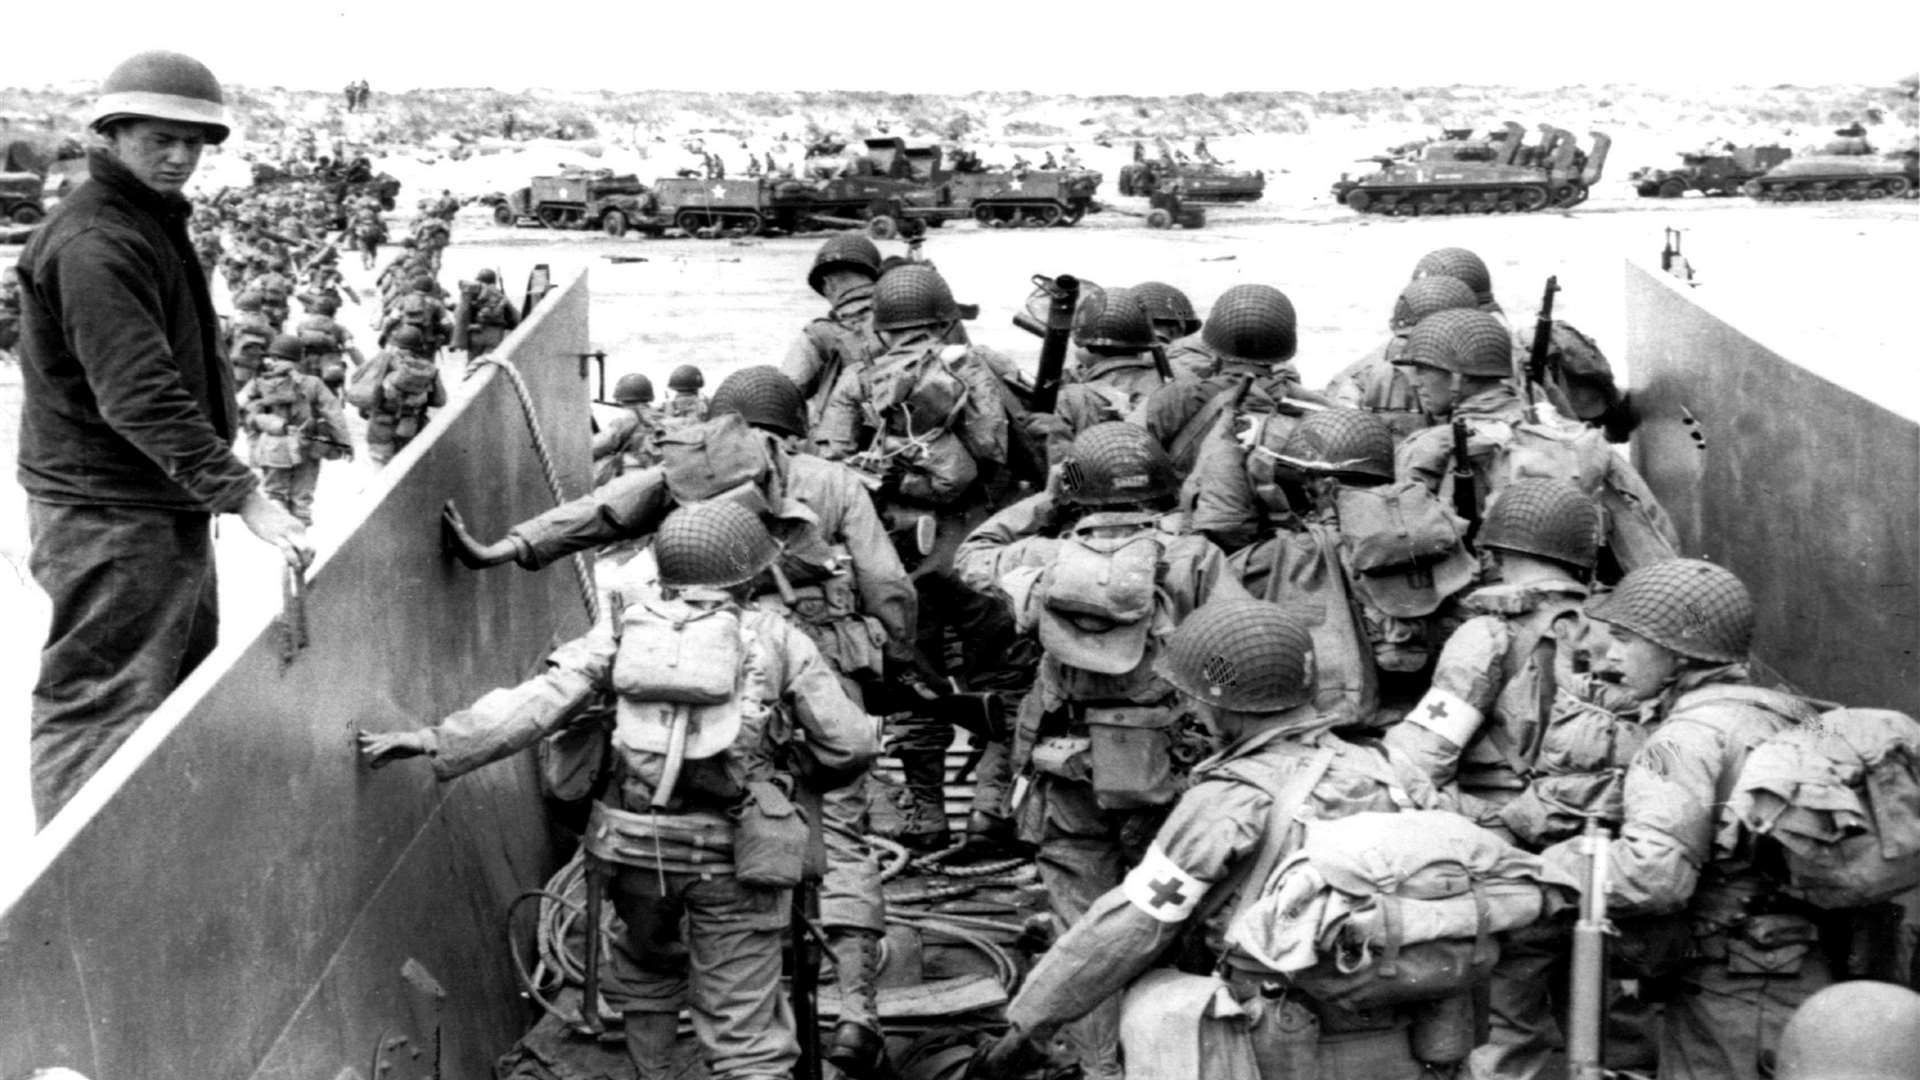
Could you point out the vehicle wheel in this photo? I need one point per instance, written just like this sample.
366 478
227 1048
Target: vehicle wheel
690 221
502 214
1877 191
26 214
1158 219
613 223
1074 214
1898 187
1358 201
1786 196
1046 217
983 214
1673 188
1833 195
883 227
1856 192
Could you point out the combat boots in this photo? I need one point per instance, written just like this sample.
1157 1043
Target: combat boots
650 1040
925 813
857 1047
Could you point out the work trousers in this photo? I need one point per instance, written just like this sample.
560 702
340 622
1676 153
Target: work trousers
726 968
135 609
1721 1025
292 488
1083 852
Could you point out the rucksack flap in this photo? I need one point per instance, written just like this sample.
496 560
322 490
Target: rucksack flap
363 390
917 391
1841 799
1097 599
1406 547
677 652
713 457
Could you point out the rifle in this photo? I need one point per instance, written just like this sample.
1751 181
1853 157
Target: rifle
806 933
1466 500
1536 371
1587 983
1063 294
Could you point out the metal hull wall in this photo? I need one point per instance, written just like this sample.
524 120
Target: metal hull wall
1808 491
234 895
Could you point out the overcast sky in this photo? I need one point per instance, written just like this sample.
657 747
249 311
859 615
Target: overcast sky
954 45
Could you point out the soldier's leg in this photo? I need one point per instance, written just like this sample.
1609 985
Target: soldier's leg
381 442
1721 1026
648 978
302 480
1078 861
743 1020
1523 1031
135 609
277 484
921 745
853 912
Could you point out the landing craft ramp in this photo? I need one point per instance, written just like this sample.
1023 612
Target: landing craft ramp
1783 471
234 895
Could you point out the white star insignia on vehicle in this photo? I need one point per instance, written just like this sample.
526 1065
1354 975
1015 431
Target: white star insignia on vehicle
719 190
1017 185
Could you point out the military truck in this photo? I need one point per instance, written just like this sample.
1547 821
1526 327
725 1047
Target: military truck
20 197
1715 172
25 163
580 199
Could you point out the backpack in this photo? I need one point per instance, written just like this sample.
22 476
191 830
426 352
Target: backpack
1576 367
1840 800
676 680
409 382
1406 548
1098 594
1387 908
363 390
920 388
1264 434
722 457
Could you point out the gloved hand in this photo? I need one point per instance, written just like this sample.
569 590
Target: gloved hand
1010 1057
461 545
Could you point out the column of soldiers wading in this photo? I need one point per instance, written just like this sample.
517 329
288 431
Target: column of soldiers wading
1236 645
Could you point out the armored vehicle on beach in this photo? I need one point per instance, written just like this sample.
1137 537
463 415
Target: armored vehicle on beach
1518 178
579 199
1715 172
1846 168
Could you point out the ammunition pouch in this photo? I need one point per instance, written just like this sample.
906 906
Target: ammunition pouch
1130 751
1068 757
694 843
770 838
1774 944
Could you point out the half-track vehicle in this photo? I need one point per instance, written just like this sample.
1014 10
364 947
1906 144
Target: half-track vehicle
1846 168
1029 197
1519 178
20 197
1204 182
1715 172
580 199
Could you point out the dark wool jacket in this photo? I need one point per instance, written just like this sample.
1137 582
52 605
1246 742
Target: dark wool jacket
128 401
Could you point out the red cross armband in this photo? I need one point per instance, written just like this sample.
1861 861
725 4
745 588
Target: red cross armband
1161 889
1446 715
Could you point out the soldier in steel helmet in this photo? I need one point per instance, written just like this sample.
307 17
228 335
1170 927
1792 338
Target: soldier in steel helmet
1247 668
1466 267
294 423
248 335
484 315
125 440
838 578
1516 723
686 404
1100 572
329 344
421 309
1739 955
1113 368
842 340
730 930
1250 338
1856 1030
410 386
1374 382
1171 314
1461 367
631 440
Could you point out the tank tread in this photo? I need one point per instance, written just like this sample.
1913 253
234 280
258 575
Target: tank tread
1837 190
1426 201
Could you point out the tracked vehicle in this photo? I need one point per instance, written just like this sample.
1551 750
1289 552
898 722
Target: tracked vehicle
1722 173
1554 173
1848 168
1207 182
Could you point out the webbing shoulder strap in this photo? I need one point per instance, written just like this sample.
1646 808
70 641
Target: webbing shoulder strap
1288 798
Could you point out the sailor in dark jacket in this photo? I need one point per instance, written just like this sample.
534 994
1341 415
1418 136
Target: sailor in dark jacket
126 438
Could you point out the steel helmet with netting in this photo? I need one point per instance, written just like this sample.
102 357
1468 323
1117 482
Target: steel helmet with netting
1345 443
1252 322
1424 296
913 295
1116 321
1688 606
1551 519
715 544
1460 264
1471 343
764 397
844 251
1240 654
1168 308
1115 463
